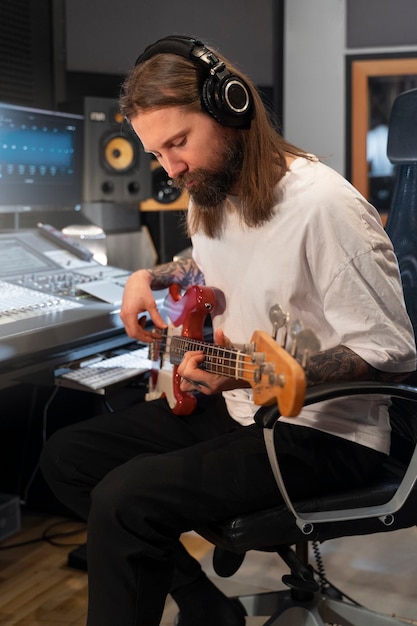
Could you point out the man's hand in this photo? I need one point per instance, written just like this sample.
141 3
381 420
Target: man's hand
196 379
138 298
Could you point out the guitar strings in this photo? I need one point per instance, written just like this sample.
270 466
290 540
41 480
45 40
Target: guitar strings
228 360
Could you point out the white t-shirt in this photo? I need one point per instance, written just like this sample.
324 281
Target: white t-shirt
327 261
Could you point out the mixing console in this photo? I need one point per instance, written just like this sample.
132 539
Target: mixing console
19 303
56 307
53 303
69 283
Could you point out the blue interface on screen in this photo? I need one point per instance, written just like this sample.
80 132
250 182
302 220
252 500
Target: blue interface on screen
40 157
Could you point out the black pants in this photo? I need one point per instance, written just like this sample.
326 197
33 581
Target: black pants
143 476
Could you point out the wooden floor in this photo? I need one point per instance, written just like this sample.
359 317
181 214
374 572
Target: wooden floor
37 588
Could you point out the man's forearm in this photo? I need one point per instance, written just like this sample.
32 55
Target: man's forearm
341 364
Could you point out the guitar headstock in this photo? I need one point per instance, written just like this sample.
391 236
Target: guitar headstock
276 376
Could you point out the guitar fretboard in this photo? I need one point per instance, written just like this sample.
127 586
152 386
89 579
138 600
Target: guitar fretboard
217 359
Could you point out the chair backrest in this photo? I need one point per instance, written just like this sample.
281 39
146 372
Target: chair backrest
401 224
402 228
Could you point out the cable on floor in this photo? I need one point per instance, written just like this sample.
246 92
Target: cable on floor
50 537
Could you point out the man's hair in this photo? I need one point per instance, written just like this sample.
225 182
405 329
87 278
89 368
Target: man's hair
167 80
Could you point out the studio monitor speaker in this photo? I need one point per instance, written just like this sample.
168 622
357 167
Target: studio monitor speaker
163 196
164 214
116 169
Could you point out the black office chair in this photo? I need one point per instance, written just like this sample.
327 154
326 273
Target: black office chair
388 503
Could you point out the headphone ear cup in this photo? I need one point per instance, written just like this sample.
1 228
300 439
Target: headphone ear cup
228 100
225 96
209 100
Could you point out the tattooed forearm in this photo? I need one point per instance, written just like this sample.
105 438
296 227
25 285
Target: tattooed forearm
182 271
341 364
388 377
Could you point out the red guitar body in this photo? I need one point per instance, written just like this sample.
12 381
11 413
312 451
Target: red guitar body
190 311
274 375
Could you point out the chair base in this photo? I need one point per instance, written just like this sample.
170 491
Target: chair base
321 610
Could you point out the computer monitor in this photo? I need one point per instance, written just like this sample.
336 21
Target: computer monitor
41 159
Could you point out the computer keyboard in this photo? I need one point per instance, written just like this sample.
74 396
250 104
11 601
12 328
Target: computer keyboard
99 373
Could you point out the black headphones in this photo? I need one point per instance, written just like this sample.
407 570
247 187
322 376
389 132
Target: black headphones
225 96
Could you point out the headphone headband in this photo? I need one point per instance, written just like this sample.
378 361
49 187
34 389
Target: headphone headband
174 44
225 96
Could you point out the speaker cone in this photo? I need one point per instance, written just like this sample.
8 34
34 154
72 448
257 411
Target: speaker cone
119 154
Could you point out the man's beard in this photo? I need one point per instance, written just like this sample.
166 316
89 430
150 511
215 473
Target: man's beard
210 187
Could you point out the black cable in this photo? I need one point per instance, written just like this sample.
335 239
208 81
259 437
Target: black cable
27 433
325 584
339 592
50 538
108 405
44 426
45 413
321 572
68 533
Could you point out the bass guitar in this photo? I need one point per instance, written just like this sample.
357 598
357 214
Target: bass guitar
273 373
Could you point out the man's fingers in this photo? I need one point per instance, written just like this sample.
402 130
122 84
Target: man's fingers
220 339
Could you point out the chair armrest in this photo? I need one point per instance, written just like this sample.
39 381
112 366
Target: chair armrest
385 512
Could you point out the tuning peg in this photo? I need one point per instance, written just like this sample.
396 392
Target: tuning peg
305 344
295 330
279 319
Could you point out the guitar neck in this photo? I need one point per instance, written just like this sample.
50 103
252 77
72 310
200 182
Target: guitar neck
273 374
217 360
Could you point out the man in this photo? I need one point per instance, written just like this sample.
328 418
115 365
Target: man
270 225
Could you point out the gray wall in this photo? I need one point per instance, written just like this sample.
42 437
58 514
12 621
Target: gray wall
316 31
102 37
107 37
314 81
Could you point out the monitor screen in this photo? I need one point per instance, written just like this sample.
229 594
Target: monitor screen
17 257
41 159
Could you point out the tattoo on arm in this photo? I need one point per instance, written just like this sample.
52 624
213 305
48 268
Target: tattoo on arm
184 272
342 364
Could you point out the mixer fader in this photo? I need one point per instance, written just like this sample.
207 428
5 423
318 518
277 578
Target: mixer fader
53 303
19 303
31 261
65 283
